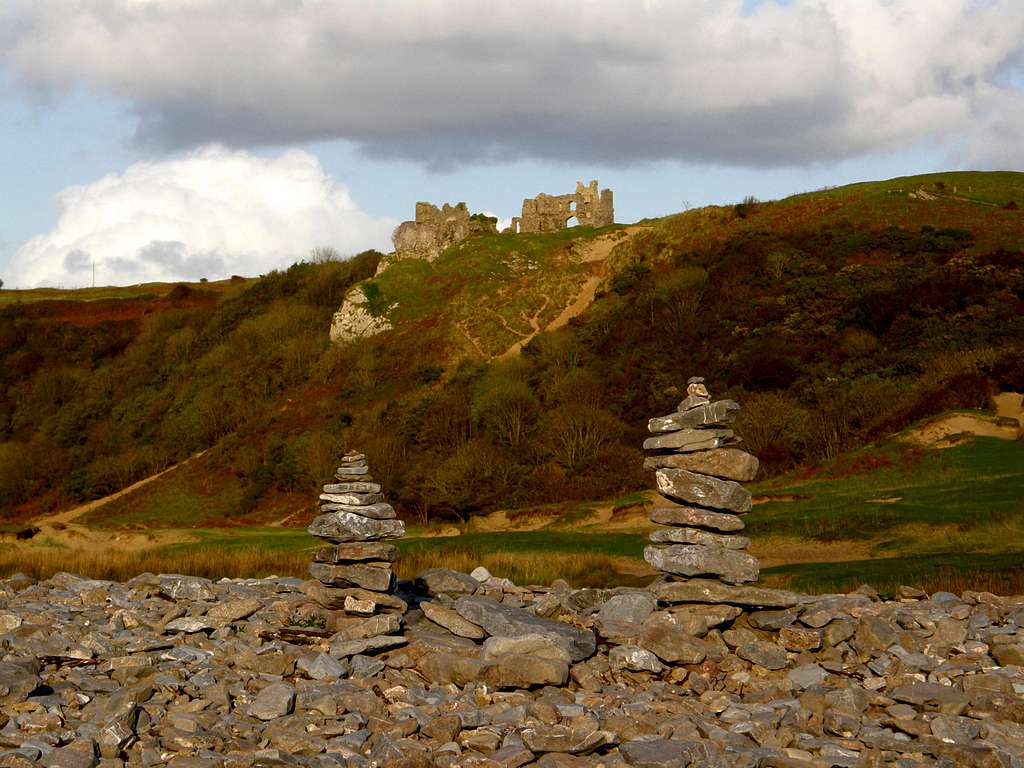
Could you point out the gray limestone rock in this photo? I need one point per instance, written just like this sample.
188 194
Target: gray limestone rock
322 667
234 610
691 440
531 644
696 517
375 577
352 499
631 607
450 620
634 659
445 581
524 671
341 648
671 643
669 753
505 621
709 591
727 463
274 701
357 551
694 560
697 536
703 490
764 654
377 511
354 600
353 487
341 527
717 414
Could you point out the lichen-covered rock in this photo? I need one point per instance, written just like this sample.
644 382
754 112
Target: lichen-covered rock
717 414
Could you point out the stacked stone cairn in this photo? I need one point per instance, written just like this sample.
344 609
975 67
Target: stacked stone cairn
698 473
355 572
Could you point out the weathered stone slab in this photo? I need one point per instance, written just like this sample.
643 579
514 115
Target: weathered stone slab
445 581
341 527
691 440
379 578
695 560
692 401
353 487
717 414
524 671
709 591
506 621
727 463
703 490
341 648
357 551
670 642
354 600
450 620
352 469
697 536
701 518
376 511
353 499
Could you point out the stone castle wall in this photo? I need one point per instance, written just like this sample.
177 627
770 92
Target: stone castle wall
436 229
550 213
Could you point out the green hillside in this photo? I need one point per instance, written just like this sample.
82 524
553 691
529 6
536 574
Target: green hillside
836 317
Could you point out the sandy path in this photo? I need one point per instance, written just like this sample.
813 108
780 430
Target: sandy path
62 528
596 251
937 433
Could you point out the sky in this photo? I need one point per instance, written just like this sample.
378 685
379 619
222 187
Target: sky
179 139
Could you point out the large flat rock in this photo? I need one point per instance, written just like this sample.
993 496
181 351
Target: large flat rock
377 511
696 517
378 578
695 560
691 440
341 527
727 463
501 620
697 536
703 490
357 551
709 591
717 414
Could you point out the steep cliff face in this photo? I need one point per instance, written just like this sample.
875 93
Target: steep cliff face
354 320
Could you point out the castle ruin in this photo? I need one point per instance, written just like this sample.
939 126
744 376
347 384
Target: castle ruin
550 213
438 228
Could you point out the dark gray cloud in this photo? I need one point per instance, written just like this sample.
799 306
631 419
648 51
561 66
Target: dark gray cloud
453 82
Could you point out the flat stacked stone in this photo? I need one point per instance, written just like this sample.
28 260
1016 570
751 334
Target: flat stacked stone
698 473
355 572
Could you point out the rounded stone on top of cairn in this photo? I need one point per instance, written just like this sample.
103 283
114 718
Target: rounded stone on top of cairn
355 573
698 473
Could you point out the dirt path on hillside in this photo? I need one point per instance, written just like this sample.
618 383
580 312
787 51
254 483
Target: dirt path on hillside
61 527
940 433
596 251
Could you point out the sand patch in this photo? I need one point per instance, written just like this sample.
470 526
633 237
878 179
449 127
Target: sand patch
947 431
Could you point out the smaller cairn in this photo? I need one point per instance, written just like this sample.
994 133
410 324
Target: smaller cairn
355 573
699 474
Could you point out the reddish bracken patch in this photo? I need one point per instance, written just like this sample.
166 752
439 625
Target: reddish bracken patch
88 313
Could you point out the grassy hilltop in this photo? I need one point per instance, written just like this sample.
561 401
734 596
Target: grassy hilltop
837 318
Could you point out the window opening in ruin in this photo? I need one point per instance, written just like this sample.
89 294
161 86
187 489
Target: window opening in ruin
572 205
572 221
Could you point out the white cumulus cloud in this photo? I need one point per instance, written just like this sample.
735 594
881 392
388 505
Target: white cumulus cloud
213 213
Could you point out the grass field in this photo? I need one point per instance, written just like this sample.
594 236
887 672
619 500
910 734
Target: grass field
950 519
140 291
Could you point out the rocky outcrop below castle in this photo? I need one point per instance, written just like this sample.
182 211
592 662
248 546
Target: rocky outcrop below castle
183 671
354 320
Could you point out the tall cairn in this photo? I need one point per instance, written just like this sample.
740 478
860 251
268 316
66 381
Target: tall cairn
699 476
355 573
